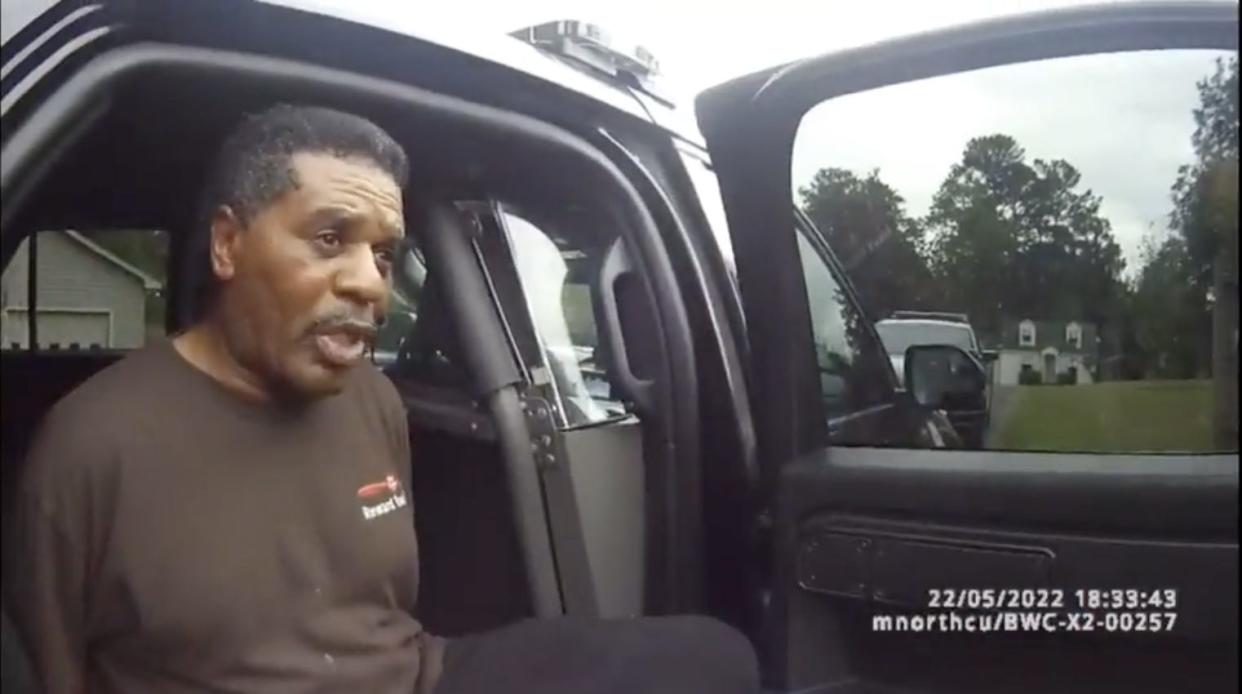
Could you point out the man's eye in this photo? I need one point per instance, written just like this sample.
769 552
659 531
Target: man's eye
385 256
328 238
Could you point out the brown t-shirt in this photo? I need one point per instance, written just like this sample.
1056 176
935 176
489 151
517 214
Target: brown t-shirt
171 537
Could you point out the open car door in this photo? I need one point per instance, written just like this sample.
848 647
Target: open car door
1061 557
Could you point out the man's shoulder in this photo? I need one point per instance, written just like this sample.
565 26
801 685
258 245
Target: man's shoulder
132 376
371 383
76 446
110 399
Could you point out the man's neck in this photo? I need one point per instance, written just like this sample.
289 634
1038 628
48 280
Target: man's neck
206 349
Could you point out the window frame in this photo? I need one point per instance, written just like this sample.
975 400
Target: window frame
1073 335
891 383
1023 339
497 255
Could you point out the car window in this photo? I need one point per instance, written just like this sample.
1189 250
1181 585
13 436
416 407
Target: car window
417 341
555 274
1097 274
853 374
409 283
94 290
898 336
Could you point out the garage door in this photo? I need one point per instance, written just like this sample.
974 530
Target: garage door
62 328
66 328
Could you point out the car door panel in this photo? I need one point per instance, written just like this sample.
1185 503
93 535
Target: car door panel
861 532
1195 498
868 558
866 532
860 544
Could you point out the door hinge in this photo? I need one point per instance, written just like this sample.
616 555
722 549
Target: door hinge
541 424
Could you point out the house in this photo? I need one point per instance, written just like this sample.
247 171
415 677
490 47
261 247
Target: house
1049 349
86 298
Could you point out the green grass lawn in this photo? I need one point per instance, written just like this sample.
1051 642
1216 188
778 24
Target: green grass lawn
1131 416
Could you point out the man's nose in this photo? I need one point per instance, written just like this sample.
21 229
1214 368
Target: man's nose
360 280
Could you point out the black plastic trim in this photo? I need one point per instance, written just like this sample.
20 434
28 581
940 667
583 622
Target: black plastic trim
1152 495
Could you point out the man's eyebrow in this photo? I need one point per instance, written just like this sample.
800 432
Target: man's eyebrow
333 214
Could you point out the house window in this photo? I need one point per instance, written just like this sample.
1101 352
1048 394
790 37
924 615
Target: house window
1026 334
1073 335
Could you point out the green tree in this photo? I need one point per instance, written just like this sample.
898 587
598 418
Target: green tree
1166 311
878 244
1205 196
1010 238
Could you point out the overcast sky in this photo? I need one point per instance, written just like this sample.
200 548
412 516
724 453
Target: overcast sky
1124 122
702 43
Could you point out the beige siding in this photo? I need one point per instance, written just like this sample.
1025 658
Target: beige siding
76 287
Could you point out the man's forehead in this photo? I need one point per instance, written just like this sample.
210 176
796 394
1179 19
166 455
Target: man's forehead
351 184
325 169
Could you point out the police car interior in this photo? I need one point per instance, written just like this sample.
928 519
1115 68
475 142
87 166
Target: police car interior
603 419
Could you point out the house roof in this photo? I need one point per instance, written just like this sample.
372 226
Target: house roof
148 282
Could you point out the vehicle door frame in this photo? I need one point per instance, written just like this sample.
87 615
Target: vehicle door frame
37 58
895 414
750 125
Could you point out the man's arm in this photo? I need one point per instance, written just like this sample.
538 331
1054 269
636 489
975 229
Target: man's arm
16 675
44 594
45 582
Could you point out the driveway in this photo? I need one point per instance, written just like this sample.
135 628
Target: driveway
1004 402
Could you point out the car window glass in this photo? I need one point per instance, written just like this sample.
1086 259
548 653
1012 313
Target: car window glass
94 290
1079 214
899 335
555 274
409 283
852 374
416 341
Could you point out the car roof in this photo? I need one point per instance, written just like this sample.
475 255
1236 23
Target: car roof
22 17
677 119
925 322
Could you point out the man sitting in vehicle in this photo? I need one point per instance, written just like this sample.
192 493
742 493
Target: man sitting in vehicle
227 511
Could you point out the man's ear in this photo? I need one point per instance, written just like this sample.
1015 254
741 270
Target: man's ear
226 239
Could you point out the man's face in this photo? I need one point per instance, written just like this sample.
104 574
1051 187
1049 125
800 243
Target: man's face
304 284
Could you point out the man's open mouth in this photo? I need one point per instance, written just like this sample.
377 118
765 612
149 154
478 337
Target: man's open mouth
343 345
340 349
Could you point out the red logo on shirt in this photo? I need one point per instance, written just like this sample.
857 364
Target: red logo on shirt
371 494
